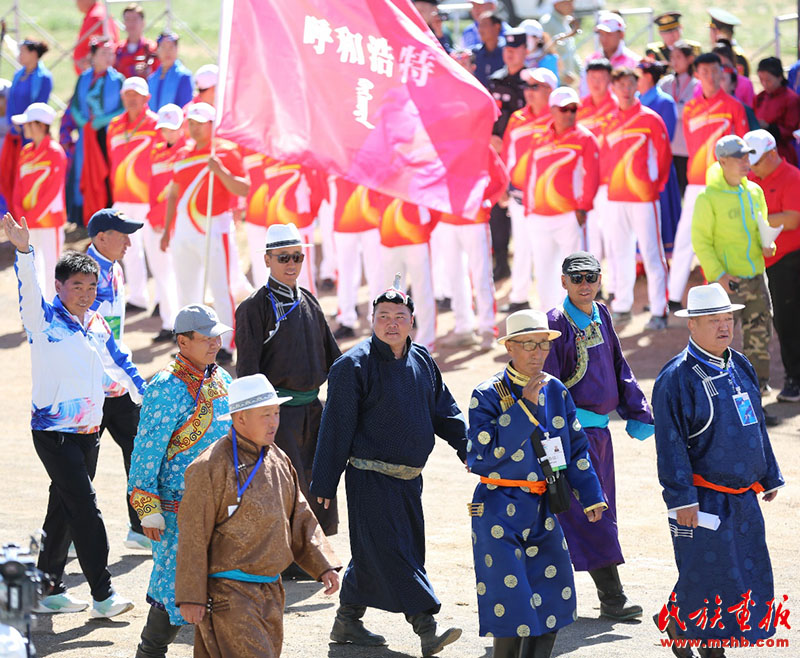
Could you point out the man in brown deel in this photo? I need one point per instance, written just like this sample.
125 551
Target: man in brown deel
281 332
245 520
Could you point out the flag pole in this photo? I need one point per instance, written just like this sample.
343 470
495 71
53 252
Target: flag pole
226 13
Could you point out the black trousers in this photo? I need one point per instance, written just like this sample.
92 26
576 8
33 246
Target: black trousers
681 162
71 460
500 229
157 635
121 419
783 279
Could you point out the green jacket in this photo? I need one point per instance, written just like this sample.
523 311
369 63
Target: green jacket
725 227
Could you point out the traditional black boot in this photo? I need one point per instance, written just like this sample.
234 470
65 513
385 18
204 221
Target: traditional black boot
672 633
540 646
349 629
613 602
424 625
157 635
506 647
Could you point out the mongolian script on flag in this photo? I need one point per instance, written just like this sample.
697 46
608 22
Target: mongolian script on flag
359 90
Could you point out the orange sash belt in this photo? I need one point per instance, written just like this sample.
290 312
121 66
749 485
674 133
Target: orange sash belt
536 486
700 481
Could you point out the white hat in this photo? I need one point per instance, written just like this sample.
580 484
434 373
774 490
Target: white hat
761 141
170 116
707 300
284 235
564 96
543 75
608 21
532 27
523 323
41 112
137 84
201 112
252 391
207 76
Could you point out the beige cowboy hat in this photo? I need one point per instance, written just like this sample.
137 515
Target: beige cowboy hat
523 323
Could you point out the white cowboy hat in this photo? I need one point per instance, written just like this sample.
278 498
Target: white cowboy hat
523 323
284 235
707 300
252 391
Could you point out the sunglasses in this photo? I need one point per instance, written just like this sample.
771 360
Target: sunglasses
569 108
285 258
531 345
591 277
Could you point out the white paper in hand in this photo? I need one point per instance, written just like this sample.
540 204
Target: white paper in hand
768 233
704 519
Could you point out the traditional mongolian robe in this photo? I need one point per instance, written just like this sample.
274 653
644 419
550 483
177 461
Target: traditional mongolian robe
713 449
378 428
524 577
588 358
282 333
180 417
233 552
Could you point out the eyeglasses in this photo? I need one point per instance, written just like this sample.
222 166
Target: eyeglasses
591 277
569 108
531 345
285 258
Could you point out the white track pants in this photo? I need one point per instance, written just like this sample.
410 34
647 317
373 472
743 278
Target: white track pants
134 260
521 264
47 244
413 262
682 251
597 238
466 251
629 222
552 238
327 264
256 240
440 267
163 271
188 254
352 249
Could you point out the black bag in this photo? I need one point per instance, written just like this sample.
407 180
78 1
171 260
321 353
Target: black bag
558 492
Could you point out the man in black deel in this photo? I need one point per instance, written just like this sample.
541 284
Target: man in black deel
506 87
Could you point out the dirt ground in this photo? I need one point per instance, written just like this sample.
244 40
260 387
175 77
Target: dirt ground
648 574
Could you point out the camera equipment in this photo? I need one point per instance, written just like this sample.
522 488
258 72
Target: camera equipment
20 589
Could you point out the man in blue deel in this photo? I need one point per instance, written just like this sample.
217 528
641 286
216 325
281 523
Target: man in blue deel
714 457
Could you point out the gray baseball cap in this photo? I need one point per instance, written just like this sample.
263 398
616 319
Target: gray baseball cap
732 146
199 318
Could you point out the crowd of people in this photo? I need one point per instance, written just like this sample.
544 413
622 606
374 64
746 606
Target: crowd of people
626 160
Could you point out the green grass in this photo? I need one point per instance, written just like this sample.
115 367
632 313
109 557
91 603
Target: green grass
62 20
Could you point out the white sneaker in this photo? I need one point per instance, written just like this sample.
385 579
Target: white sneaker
137 540
56 603
460 339
111 607
487 340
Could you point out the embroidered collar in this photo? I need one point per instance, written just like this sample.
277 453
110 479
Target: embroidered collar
516 377
282 292
247 447
194 370
581 320
719 362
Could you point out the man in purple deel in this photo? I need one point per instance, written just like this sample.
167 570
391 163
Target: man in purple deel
588 359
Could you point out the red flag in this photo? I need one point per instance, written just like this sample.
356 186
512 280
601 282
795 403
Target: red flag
358 89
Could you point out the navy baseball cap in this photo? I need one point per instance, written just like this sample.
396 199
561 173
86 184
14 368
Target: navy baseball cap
109 219
516 38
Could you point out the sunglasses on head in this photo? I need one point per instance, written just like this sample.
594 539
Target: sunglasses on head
285 258
591 277
569 108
